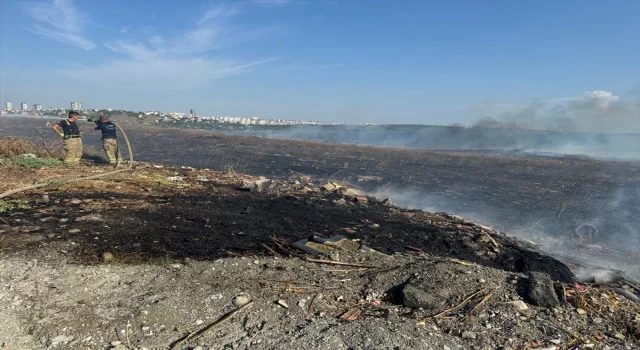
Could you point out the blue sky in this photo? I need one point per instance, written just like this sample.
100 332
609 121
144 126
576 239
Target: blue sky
431 62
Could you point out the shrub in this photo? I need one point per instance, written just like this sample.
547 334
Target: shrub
13 204
29 162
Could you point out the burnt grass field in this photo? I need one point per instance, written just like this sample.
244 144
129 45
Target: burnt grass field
540 198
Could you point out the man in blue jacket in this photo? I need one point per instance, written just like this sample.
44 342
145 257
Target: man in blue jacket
109 139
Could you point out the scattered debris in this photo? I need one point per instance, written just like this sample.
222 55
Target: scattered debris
352 314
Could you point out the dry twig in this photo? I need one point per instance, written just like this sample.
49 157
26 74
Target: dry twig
199 333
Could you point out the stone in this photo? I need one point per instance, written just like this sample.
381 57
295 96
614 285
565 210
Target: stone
520 305
199 322
387 202
262 185
468 335
416 297
282 303
619 336
115 343
302 303
581 311
353 192
107 257
61 339
241 300
541 291
328 187
74 230
555 341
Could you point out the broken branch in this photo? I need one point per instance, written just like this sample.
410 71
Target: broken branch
221 320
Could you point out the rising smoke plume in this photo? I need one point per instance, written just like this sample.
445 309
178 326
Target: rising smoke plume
594 111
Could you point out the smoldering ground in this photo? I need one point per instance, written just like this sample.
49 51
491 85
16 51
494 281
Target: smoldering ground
594 252
543 198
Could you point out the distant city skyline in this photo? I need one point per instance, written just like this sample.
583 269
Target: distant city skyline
345 61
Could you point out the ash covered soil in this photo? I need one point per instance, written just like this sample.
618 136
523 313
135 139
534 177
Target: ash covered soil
147 258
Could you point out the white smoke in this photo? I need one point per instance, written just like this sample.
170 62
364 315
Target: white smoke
597 111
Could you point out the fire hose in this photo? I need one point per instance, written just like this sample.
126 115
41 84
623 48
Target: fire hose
44 184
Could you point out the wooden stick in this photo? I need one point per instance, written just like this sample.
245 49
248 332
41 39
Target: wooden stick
270 250
221 320
341 270
310 309
331 262
492 240
487 297
463 303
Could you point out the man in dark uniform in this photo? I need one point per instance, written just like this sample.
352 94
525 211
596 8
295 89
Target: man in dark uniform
68 129
109 139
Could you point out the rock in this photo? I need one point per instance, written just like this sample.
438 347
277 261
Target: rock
176 266
74 230
61 339
541 291
45 198
282 303
353 192
580 311
241 300
416 297
107 257
361 199
302 303
216 296
115 343
468 335
137 245
90 217
51 235
555 341
75 201
262 185
520 305
387 202
627 294
328 187
619 336
199 322
175 178
340 201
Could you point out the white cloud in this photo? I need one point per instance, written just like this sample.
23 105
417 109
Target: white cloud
182 61
125 29
60 20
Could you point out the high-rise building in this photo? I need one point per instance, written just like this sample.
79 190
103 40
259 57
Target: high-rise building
37 107
24 106
76 106
9 105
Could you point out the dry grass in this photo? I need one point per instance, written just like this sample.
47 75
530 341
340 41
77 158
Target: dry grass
608 305
14 146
